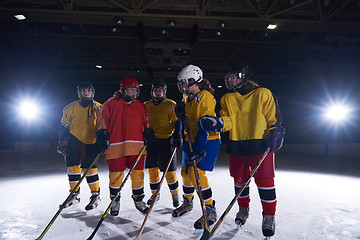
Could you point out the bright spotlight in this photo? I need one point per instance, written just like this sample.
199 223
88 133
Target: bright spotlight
337 113
28 110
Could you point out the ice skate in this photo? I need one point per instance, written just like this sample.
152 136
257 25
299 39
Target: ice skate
268 225
115 207
151 199
94 201
242 215
210 215
140 204
74 200
185 207
175 199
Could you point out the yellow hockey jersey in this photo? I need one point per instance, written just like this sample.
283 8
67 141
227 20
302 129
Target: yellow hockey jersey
249 117
202 104
162 117
81 121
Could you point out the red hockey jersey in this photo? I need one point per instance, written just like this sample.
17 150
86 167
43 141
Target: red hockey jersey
125 122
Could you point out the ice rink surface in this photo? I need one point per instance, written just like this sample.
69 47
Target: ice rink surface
311 205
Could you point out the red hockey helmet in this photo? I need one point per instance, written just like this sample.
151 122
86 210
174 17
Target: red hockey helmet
129 82
125 84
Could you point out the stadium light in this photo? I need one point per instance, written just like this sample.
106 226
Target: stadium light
28 110
337 113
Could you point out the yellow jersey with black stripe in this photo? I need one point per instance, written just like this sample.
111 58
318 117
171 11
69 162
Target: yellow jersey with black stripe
249 117
162 117
202 104
81 121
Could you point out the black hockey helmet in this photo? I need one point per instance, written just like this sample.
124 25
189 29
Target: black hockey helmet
83 95
158 84
242 74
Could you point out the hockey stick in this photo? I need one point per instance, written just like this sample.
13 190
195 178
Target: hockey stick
196 173
155 195
117 194
207 234
62 206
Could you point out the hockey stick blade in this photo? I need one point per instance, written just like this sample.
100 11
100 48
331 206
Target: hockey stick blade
206 235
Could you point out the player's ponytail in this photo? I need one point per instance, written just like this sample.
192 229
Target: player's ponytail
117 95
205 85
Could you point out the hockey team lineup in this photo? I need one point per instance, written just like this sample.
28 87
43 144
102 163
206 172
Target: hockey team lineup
125 128
169 139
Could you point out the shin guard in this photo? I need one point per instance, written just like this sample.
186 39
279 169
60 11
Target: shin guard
74 175
92 178
266 188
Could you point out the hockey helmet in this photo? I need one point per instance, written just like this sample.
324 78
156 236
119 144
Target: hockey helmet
128 83
156 95
237 77
188 76
86 92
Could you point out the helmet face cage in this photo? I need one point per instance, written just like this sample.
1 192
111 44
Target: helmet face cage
188 76
88 87
242 76
183 85
129 97
128 83
157 85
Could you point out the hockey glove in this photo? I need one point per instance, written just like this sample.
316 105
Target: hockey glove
102 140
177 140
180 111
195 156
211 123
62 147
275 139
149 137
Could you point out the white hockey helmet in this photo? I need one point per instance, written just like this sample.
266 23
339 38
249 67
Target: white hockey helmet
188 76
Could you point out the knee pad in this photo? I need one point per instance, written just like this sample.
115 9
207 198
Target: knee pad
74 169
137 179
171 177
154 175
115 179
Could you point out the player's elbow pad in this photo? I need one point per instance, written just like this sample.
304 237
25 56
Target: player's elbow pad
211 123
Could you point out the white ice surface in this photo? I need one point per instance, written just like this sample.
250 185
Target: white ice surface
310 206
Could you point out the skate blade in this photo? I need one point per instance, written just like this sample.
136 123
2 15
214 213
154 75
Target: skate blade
72 208
239 226
177 218
113 216
94 212
201 230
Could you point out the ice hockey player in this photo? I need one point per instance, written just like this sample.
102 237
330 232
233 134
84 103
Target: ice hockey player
77 142
167 129
125 120
198 102
251 114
